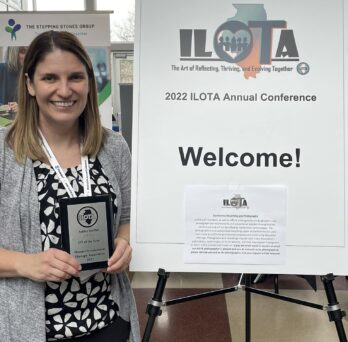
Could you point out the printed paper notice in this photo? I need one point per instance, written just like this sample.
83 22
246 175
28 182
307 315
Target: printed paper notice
235 224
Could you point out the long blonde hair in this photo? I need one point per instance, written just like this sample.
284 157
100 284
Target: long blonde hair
23 136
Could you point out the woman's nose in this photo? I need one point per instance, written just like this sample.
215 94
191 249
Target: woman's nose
64 89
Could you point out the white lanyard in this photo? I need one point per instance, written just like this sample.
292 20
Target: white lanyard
61 175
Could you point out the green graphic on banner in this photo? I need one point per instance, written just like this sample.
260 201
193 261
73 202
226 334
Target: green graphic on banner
104 94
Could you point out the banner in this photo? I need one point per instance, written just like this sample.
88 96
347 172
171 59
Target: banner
93 30
240 95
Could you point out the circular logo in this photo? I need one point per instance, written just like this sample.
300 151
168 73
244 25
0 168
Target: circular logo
87 217
303 68
233 41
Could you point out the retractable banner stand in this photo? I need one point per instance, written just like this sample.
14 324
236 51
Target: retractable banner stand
239 136
93 29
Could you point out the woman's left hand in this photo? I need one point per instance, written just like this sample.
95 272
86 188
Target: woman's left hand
121 257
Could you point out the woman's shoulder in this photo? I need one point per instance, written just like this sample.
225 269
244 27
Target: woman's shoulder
114 139
3 132
3 143
115 151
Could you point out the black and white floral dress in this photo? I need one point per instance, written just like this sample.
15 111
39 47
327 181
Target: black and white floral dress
73 307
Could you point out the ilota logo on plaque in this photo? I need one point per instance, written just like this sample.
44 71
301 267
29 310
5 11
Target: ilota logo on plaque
87 217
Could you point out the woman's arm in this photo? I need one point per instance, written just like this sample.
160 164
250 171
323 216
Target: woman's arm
51 265
122 255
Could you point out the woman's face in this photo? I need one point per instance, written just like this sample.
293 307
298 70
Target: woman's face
60 85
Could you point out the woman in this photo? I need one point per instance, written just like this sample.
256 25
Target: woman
42 297
9 74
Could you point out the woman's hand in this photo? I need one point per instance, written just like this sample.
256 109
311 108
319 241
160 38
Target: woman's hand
121 257
51 265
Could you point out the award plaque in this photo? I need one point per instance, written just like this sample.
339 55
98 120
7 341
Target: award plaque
87 229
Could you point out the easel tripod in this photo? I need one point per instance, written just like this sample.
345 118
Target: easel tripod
332 308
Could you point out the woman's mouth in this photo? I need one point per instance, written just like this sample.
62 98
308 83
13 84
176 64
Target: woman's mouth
63 103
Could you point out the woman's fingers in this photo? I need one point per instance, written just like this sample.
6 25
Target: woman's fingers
121 257
51 265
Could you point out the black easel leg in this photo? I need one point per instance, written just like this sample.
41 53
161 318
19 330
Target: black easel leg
247 278
276 283
334 311
153 309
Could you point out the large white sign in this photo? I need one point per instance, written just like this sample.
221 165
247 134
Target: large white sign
240 94
93 30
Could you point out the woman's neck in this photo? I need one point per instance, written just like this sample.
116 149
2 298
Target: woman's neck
65 144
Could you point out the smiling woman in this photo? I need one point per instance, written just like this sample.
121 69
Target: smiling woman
57 149
60 86
47 76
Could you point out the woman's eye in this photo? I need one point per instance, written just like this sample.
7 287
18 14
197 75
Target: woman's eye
49 78
77 77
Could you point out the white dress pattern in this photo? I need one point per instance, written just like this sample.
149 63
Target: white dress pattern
73 307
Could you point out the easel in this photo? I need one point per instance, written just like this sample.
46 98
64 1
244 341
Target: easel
332 308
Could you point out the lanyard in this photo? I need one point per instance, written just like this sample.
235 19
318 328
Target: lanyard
61 175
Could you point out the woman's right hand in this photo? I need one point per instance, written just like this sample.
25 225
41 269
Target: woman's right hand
51 265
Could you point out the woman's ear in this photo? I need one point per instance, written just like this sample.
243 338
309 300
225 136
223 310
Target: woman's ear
30 87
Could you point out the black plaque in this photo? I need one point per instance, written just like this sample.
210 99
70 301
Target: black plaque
87 229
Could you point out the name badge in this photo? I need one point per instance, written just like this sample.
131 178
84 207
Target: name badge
87 229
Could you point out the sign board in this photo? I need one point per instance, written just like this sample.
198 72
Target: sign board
241 95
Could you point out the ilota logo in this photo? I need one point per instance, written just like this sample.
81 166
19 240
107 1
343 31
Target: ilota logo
87 217
246 35
235 202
